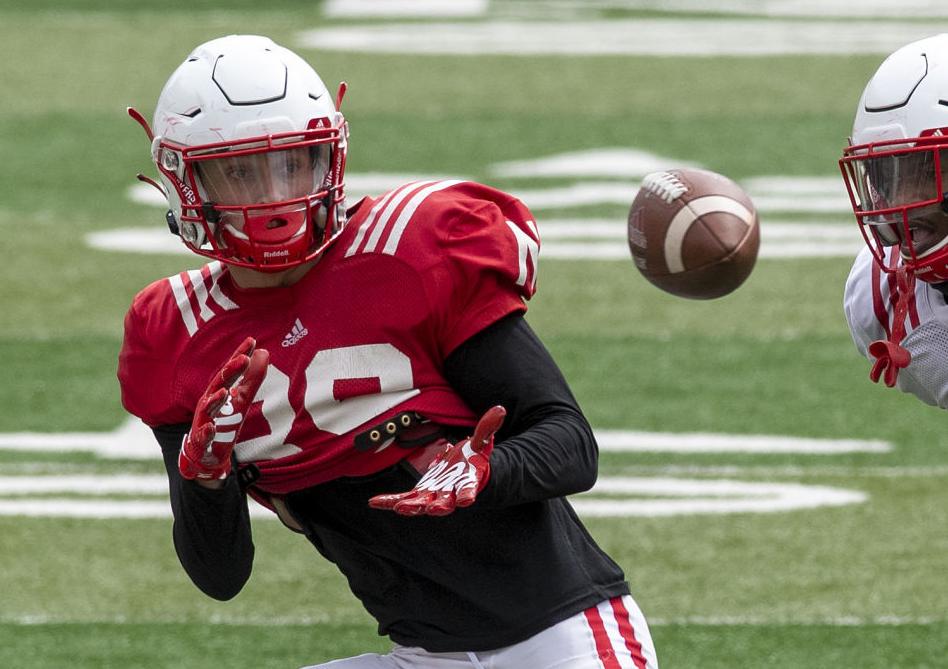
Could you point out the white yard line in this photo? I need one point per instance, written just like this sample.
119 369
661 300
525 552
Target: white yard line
361 9
681 497
832 621
590 239
623 37
627 496
791 471
824 196
615 162
926 9
34 495
830 240
403 8
94 484
133 440
702 442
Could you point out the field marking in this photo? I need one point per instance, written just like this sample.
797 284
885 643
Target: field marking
82 508
623 167
704 442
610 229
95 484
133 440
574 8
781 621
403 8
615 162
605 239
629 496
620 37
613 192
789 471
826 8
806 195
855 471
785 242
587 239
704 496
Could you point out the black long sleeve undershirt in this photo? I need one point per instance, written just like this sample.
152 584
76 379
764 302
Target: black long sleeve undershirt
211 532
545 449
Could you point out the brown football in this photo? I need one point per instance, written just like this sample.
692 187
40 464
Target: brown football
693 233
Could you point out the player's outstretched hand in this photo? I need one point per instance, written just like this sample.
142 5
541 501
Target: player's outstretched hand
205 452
454 477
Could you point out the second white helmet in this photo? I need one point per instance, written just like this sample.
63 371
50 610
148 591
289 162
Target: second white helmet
895 165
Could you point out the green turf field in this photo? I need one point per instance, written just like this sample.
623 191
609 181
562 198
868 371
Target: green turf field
860 585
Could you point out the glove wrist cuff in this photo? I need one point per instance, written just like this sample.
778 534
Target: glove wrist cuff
191 470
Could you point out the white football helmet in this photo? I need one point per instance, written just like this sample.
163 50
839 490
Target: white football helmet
895 165
251 154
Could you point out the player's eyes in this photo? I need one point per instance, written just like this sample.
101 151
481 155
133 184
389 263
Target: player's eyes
292 167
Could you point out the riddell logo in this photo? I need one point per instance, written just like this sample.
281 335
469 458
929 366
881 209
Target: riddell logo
276 254
295 334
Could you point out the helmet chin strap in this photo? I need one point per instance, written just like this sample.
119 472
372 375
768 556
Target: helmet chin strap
890 355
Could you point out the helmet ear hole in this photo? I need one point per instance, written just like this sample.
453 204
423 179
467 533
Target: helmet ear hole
189 233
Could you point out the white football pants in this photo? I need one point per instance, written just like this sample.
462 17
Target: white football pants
610 635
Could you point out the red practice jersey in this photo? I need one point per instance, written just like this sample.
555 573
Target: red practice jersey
360 339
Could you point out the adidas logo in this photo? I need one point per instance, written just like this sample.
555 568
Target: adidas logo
295 334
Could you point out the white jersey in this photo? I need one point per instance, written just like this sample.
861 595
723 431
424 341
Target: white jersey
868 303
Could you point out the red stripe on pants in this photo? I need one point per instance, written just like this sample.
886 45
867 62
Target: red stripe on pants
603 645
628 632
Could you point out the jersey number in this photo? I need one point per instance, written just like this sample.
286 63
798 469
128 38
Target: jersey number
386 369
528 249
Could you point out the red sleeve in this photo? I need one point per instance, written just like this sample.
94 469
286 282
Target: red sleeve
490 247
146 367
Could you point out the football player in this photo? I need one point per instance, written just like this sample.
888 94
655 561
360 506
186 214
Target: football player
896 172
366 374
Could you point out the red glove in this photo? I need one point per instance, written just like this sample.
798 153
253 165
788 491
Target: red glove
205 452
453 478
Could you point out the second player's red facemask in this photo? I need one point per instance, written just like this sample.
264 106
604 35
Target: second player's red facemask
897 190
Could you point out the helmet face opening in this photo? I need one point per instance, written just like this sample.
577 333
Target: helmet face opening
897 191
262 177
268 203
